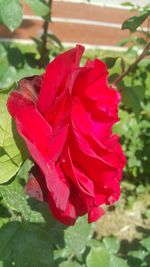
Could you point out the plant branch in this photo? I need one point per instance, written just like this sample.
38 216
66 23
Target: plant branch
133 65
44 50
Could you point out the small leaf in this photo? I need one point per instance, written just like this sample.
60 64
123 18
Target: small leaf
118 262
95 243
98 257
53 38
123 42
69 264
139 254
39 7
15 200
112 244
134 22
76 236
127 4
110 61
144 63
3 52
7 76
11 13
132 97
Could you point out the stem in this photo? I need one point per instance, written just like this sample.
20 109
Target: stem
133 66
148 31
44 50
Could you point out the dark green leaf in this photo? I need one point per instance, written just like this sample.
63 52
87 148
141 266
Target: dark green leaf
11 13
53 38
110 61
25 245
132 97
134 22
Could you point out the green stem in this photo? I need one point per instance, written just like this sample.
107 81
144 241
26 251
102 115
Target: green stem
133 65
44 50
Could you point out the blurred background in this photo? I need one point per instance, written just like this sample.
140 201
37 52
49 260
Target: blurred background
94 23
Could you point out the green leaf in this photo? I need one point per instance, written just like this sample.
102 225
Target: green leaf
95 243
139 254
134 22
53 38
17 201
144 63
118 262
69 264
77 236
39 7
132 97
123 42
110 61
11 13
128 4
3 52
98 257
24 245
146 243
7 76
10 144
112 244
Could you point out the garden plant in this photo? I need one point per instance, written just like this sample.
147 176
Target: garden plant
74 136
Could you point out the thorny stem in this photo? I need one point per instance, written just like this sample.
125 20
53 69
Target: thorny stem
44 50
133 66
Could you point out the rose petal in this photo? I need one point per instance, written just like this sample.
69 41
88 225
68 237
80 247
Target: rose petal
57 72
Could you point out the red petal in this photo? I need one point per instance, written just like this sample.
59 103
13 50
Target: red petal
56 75
37 134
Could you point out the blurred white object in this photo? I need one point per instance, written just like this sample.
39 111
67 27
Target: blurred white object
111 3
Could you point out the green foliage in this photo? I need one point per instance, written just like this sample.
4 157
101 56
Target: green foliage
39 7
110 61
11 156
135 139
98 257
134 22
11 13
132 97
25 245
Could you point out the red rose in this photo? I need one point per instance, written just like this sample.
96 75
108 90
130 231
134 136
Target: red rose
65 117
